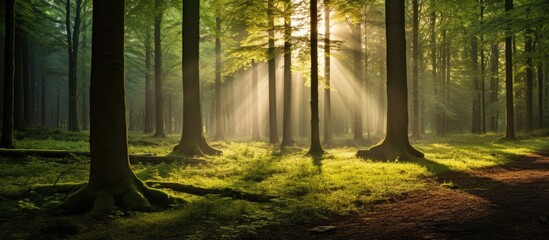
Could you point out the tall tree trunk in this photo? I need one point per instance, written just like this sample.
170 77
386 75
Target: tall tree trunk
396 143
73 38
148 128
510 125
381 101
494 83
415 70
9 74
273 123
434 67
316 148
359 91
482 69
159 131
328 131
529 79
231 121
18 99
540 94
83 91
43 119
111 182
192 141
476 125
58 109
255 104
219 130
287 138
27 84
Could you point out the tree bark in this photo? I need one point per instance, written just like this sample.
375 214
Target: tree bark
529 79
148 128
73 38
328 130
219 126
316 148
159 131
273 120
110 174
9 74
396 143
510 121
494 83
415 70
359 90
287 138
476 125
18 99
192 141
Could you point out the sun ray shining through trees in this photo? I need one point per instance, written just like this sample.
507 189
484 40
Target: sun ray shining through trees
242 119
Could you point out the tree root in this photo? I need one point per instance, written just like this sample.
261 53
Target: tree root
386 151
130 195
225 192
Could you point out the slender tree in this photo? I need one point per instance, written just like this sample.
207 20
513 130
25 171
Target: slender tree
273 123
9 74
192 141
219 126
159 98
510 116
316 148
357 71
415 70
494 83
528 50
396 142
328 132
73 40
287 138
111 181
255 104
148 128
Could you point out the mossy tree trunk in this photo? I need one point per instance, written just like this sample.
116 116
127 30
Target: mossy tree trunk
159 98
192 141
287 138
396 142
9 74
111 182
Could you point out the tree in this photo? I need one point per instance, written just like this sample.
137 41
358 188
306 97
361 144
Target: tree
73 40
415 70
219 130
528 45
510 116
159 98
111 182
287 139
396 142
328 132
192 141
316 148
273 123
9 65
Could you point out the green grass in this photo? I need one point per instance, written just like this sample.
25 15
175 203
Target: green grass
309 189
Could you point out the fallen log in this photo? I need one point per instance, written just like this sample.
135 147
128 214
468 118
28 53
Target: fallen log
134 158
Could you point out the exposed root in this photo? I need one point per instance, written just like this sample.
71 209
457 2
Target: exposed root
129 195
386 151
192 149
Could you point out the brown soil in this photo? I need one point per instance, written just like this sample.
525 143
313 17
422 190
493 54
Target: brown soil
502 202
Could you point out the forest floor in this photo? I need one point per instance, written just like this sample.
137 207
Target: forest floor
467 187
499 202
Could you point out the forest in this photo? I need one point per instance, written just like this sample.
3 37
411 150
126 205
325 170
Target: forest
274 119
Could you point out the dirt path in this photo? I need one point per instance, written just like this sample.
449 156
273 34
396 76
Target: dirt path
503 202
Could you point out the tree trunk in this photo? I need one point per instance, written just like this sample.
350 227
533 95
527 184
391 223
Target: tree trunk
476 125
27 84
396 143
73 38
316 148
415 70
540 94
18 99
510 125
494 83
273 122
255 104
9 74
111 182
148 128
83 91
219 130
482 69
43 119
287 138
529 80
192 141
359 91
158 71
328 131
381 101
